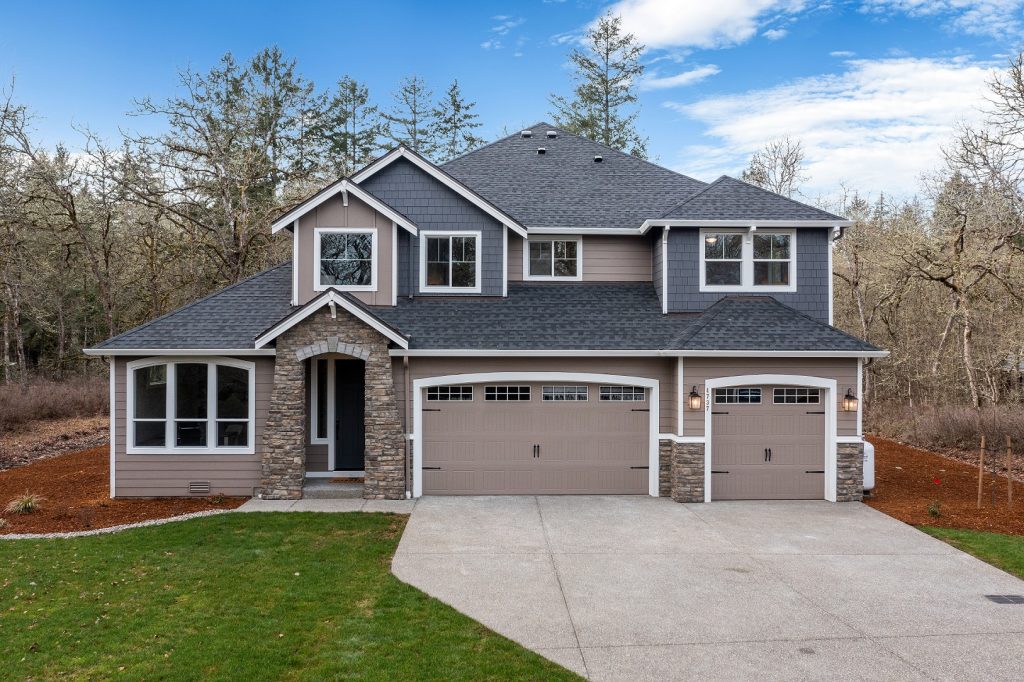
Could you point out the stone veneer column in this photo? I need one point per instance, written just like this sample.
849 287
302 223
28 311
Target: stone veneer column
688 472
849 472
283 465
665 468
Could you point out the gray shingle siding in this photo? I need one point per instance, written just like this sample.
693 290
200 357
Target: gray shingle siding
435 207
656 263
812 290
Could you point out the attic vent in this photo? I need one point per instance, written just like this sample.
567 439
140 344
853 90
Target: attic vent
552 134
199 487
541 150
526 133
598 159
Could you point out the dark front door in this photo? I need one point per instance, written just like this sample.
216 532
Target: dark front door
349 429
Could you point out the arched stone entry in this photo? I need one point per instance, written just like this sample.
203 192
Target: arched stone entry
283 465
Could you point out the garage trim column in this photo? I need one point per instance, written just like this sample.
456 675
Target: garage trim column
828 385
581 377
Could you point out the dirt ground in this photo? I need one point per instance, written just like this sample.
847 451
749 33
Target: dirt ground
909 480
41 439
75 488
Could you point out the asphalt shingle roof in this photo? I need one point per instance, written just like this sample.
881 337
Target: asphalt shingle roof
565 187
230 318
731 199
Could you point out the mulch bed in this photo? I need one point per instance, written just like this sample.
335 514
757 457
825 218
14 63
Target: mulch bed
76 496
908 480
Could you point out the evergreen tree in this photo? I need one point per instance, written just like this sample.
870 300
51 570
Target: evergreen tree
607 70
454 123
410 120
349 127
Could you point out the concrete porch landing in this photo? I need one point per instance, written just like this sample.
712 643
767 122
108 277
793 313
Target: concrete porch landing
329 505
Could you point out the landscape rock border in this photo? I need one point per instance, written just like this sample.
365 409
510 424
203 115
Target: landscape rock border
115 529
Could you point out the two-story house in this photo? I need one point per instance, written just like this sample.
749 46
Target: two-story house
543 315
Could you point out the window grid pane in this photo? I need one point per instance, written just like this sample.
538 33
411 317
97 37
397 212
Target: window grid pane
564 393
796 396
723 259
540 259
447 393
737 396
346 259
623 393
771 259
507 393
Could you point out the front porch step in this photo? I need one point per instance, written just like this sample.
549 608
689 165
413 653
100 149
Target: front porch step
325 489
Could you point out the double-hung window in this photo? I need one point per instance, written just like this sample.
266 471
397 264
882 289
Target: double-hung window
552 259
761 260
450 262
346 257
190 406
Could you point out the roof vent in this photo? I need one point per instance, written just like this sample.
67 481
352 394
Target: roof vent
526 134
552 134
598 158
541 150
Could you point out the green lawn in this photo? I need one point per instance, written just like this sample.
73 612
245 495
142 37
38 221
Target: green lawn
1003 551
238 596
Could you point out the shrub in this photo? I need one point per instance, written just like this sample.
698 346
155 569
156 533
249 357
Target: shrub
26 504
947 426
934 509
47 399
3 522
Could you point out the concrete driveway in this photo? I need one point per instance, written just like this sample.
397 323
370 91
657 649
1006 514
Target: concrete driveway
642 588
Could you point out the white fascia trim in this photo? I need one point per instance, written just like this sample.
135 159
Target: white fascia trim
394 263
612 231
441 234
318 233
504 261
295 263
648 224
331 296
828 385
527 277
454 352
443 178
344 186
582 377
664 271
113 430
148 352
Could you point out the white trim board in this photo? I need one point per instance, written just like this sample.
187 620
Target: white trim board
476 352
340 187
113 428
828 385
747 261
451 183
662 222
442 234
561 377
318 233
148 352
329 297
551 239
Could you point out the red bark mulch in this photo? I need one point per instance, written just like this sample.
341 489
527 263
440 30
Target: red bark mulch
75 488
908 480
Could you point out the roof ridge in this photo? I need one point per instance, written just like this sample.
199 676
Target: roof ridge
706 317
194 303
780 196
824 324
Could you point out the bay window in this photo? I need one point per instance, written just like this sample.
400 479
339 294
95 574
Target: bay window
346 258
450 262
552 259
180 406
760 260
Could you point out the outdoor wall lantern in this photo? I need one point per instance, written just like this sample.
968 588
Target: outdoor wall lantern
695 400
850 401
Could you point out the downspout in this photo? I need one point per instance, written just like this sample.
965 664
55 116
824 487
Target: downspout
408 420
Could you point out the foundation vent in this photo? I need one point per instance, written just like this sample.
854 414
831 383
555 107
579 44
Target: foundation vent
526 134
199 487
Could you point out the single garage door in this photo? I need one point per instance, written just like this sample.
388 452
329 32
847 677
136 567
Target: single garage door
535 439
767 443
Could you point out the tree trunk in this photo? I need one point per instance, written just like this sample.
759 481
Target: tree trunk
968 357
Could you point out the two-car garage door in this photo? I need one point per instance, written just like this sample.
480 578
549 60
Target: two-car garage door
533 438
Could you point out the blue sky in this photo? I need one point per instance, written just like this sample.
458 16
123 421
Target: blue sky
872 87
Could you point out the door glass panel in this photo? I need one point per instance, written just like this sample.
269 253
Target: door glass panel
321 401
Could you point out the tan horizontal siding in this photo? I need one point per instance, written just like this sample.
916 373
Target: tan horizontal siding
662 369
169 475
605 259
697 370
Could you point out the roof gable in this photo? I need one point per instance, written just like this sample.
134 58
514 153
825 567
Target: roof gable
343 187
730 199
565 187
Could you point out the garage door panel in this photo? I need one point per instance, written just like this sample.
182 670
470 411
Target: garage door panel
486 447
793 433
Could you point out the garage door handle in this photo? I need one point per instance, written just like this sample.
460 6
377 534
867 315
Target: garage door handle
719 413
815 471
766 454
769 454
639 467
719 472
431 468
639 409
822 412
431 409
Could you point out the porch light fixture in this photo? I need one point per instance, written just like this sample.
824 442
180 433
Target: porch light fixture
695 401
850 401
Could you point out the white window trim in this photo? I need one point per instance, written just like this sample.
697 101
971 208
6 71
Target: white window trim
424 288
169 416
747 262
374 258
552 277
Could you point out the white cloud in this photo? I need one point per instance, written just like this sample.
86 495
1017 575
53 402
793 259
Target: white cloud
996 18
878 125
842 53
491 44
685 78
775 33
676 23
507 24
